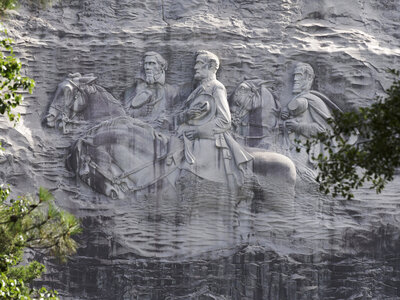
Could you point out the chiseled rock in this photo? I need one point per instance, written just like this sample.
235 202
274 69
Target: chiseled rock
207 243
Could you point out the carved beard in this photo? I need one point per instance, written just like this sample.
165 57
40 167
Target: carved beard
152 78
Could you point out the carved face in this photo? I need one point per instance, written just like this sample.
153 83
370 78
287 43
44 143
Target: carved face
152 69
202 68
301 81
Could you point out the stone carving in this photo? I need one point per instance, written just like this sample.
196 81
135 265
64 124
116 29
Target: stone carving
304 116
259 120
79 101
210 150
204 121
123 155
151 98
331 250
253 108
176 173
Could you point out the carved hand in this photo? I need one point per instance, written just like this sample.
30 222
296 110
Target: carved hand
192 134
285 115
193 113
292 125
161 122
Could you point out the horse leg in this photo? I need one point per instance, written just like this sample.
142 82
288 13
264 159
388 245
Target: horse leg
93 166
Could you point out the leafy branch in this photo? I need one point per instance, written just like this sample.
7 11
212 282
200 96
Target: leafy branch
27 222
12 83
13 4
375 156
36 223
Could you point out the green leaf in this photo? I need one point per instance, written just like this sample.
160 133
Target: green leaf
375 155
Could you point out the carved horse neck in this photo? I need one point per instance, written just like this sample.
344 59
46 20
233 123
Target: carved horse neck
67 101
261 102
81 103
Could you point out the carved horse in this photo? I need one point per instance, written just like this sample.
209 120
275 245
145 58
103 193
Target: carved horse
253 110
120 155
79 101
125 155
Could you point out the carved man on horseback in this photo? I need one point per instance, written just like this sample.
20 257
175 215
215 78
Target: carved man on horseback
305 116
150 98
123 156
210 151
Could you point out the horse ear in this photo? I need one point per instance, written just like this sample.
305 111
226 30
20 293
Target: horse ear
74 75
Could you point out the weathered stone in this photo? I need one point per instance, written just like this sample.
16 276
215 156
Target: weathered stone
206 244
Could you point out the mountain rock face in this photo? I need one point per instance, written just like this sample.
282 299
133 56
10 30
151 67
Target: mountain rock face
115 147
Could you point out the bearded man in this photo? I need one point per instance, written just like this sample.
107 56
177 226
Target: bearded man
210 150
151 98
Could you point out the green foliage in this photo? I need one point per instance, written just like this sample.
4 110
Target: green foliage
35 223
13 4
27 222
11 289
373 158
7 4
12 83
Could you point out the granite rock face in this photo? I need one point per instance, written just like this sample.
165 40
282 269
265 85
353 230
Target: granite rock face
309 247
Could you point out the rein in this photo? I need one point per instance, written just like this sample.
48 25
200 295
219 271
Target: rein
124 187
137 169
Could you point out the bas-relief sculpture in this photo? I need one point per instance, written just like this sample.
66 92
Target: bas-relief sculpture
259 119
162 148
254 119
151 98
210 151
322 249
78 103
304 116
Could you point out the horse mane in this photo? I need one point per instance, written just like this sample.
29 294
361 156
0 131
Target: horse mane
94 90
258 91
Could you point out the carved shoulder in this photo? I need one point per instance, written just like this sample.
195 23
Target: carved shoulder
321 105
218 88
131 91
219 85
298 106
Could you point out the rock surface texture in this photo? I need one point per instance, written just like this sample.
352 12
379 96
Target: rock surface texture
189 237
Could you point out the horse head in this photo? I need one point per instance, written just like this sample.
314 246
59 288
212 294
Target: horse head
242 101
68 100
249 96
